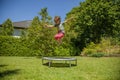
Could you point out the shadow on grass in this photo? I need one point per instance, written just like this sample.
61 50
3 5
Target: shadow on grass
59 65
9 72
3 65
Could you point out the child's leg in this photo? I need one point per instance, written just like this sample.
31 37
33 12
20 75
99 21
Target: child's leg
59 37
60 41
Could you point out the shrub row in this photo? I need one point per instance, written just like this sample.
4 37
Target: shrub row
10 46
106 47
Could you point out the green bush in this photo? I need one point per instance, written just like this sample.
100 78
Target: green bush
60 51
90 49
10 46
97 55
107 46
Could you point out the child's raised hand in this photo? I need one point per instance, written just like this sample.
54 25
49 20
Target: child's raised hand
45 25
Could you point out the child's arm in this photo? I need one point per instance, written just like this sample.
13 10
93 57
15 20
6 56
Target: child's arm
49 26
70 19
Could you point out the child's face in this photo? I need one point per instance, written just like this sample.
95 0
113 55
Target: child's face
57 21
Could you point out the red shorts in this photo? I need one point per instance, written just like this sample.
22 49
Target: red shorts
59 35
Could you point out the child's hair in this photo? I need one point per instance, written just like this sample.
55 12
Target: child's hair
57 18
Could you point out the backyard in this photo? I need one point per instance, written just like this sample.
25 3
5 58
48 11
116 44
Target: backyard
31 68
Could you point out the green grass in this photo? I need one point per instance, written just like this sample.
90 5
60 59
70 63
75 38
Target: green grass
31 68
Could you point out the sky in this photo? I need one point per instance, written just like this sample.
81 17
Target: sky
20 10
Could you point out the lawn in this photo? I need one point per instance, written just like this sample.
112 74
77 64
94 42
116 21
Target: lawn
31 68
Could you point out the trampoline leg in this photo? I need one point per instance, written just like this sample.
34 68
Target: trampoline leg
76 62
42 61
70 63
49 63
65 62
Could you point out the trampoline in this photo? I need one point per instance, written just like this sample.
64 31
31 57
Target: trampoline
50 59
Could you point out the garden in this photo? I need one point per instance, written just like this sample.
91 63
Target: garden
31 68
92 37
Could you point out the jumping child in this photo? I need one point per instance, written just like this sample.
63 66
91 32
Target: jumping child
60 27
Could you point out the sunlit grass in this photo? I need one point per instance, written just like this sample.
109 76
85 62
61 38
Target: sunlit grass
31 68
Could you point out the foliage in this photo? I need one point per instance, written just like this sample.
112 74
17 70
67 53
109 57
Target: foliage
44 42
41 38
61 51
106 47
95 19
44 15
97 55
34 28
36 41
7 28
10 46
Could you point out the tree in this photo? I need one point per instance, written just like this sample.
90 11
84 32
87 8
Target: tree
44 15
39 37
95 19
7 27
34 28
46 34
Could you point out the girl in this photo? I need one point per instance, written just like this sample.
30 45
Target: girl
60 27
